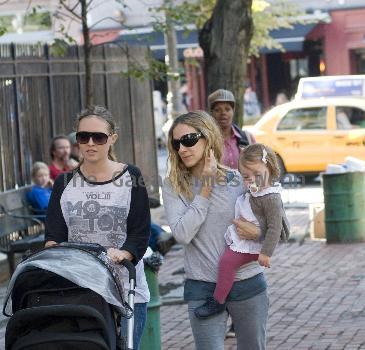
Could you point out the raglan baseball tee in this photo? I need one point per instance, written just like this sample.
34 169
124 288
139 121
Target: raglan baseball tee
113 213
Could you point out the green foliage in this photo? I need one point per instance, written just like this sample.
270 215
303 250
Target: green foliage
37 21
67 38
5 24
32 21
188 12
266 17
59 48
152 69
182 15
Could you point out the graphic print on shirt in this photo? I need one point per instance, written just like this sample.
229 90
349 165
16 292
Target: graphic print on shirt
89 217
101 213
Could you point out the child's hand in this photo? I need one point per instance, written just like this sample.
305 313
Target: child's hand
264 260
246 230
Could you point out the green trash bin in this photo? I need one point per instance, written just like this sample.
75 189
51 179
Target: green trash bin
151 337
344 198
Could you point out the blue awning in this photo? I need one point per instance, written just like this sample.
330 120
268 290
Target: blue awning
291 39
156 41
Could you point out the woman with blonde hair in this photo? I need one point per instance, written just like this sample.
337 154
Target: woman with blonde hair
199 198
104 201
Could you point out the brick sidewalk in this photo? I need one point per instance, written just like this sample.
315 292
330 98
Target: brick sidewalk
317 297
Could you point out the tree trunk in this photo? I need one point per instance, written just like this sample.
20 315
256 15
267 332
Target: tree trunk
225 40
89 95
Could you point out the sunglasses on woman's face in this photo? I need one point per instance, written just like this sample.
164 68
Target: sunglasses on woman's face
188 140
99 138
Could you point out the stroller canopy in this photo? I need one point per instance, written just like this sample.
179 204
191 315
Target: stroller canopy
81 267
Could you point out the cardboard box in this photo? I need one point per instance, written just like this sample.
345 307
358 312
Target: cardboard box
316 216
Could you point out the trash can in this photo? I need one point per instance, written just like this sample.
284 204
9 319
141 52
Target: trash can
151 337
344 198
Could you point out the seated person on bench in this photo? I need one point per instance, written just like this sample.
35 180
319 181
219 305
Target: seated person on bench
40 193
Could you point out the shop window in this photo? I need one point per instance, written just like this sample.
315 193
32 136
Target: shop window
298 68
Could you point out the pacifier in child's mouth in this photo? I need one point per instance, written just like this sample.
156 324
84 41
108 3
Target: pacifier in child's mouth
254 188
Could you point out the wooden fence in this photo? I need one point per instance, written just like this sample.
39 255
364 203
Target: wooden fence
41 94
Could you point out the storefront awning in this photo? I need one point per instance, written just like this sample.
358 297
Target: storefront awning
291 39
156 41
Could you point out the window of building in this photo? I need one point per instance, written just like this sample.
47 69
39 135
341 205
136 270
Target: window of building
304 119
298 68
359 61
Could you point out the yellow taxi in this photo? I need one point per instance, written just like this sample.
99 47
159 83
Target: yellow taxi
309 133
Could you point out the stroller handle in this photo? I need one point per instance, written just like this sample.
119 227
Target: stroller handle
131 269
92 247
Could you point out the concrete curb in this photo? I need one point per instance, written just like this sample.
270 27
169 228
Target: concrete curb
296 205
172 302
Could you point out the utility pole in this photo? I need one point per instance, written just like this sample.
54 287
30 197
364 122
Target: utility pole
174 102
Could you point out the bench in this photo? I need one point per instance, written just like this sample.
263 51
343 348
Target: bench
21 230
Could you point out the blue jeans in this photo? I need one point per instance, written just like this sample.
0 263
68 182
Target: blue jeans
156 231
140 316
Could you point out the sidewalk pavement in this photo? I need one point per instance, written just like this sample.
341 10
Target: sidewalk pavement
317 295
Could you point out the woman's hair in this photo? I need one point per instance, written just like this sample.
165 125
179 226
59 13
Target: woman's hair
179 175
36 167
104 114
52 148
259 152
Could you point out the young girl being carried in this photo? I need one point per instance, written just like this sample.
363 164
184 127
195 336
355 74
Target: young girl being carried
261 205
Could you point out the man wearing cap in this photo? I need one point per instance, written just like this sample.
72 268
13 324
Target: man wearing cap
221 104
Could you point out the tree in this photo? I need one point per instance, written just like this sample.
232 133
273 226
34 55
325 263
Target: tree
73 10
225 39
232 31
77 11
229 33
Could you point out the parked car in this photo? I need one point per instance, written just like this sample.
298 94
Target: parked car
307 134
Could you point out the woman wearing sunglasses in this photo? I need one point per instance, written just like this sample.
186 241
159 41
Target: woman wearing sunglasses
199 198
105 202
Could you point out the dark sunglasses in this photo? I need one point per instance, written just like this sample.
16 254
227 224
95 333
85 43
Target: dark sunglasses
99 138
188 140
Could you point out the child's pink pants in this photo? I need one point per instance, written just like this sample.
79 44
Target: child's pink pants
229 263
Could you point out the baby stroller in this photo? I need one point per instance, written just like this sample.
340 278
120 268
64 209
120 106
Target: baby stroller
69 297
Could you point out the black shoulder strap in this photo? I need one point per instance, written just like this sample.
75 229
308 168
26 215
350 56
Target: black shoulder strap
243 141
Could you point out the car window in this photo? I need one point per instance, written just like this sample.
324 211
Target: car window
349 118
304 119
